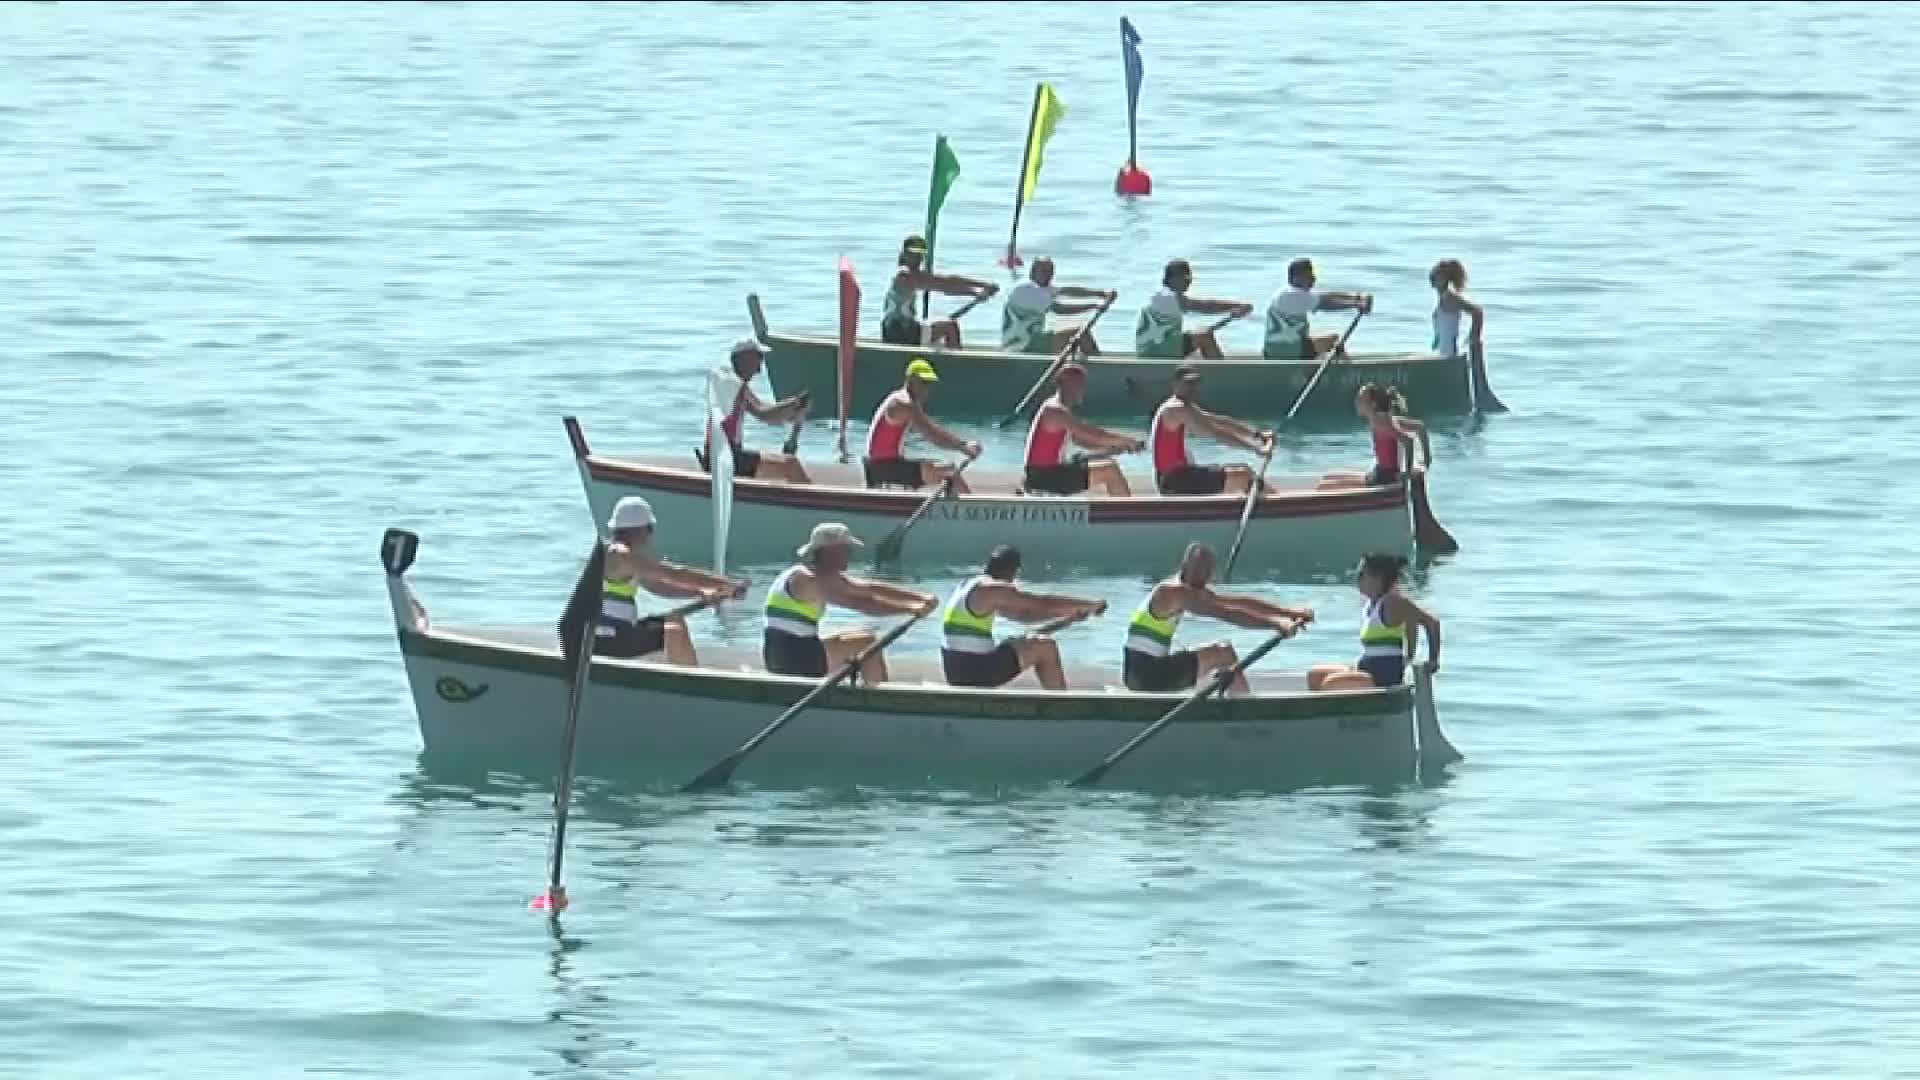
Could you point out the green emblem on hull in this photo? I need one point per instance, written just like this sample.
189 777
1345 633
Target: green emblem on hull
452 689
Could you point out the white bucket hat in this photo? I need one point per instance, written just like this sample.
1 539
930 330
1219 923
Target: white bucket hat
632 512
749 345
826 535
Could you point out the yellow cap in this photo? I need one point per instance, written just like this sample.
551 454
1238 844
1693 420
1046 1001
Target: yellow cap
920 369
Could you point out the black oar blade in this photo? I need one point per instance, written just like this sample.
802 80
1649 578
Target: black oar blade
397 549
719 776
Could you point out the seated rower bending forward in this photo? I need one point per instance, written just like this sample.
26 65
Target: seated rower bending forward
801 595
736 388
1175 471
1393 438
899 412
1389 634
622 632
1151 665
1049 470
1161 329
899 324
1290 333
1023 321
971 656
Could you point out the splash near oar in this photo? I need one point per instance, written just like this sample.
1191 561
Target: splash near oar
1047 111
849 332
1133 180
946 169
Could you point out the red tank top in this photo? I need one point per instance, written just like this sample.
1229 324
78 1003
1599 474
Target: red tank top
730 424
1386 448
1045 447
1169 443
884 437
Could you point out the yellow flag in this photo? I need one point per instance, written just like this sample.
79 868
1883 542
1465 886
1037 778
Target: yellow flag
1047 111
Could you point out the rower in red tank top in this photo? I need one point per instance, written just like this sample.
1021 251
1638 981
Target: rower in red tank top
900 411
1049 470
1173 468
1382 407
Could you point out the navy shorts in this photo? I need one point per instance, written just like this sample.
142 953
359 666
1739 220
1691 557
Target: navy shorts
1386 670
1160 674
990 669
626 641
792 654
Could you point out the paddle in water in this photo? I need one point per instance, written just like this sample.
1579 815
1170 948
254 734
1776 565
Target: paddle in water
1217 683
889 548
721 774
1059 361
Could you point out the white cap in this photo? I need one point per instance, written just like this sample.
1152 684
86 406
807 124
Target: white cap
829 534
747 344
632 512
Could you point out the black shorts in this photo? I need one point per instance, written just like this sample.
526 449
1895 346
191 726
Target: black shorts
1159 674
745 462
791 654
1194 480
1068 479
893 472
1386 670
996 668
900 331
626 641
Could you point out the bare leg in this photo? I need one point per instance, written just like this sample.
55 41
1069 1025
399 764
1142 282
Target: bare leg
1335 480
1062 336
679 644
946 334
1346 679
1043 656
1108 475
1323 344
1239 479
1220 655
1318 674
844 646
1206 344
781 468
931 475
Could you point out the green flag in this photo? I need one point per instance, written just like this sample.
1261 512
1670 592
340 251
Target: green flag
945 168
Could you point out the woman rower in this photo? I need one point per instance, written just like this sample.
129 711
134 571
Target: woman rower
1390 632
1449 280
1394 433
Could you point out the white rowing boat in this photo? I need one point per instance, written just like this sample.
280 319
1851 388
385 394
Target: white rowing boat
498 695
1295 529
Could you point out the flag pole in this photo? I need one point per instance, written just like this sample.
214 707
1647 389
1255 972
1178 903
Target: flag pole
1012 260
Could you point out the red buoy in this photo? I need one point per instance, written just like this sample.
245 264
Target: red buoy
1133 180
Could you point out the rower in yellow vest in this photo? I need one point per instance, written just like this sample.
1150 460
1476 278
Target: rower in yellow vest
621 631
800 596
1150 662
970 654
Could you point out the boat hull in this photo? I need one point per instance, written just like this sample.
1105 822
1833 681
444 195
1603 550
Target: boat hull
979 383
1293 534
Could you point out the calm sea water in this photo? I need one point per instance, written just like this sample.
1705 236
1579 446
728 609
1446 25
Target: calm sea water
274 278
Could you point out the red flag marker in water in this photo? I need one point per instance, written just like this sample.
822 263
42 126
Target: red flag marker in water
1133 180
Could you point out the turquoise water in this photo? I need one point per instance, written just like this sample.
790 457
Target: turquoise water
275 278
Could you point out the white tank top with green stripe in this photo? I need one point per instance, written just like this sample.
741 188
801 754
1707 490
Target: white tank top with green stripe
898 304
965 631
787 613
1149 633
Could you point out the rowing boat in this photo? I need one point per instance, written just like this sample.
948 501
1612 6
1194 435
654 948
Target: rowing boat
1295 530
494 694
989 382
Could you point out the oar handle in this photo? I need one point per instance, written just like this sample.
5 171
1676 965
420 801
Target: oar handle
722 771
1054 626
1224 320
961 311
1059 361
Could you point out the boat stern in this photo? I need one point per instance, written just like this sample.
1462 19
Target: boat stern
1435 750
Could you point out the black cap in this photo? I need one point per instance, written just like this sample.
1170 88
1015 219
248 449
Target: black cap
1006 558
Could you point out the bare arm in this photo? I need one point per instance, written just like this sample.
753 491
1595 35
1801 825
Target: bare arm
1413 613
1344 301
778 412
872 598
663 578
1099 439
1029 607
1226 428
1263 607
1072 309
936 434
1407 426
1476 315
1204 602
1214 307
950 284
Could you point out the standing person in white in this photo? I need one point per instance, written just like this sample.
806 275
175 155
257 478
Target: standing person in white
1290 333
1023 321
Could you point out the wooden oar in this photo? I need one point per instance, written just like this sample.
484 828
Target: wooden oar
1246 512
1220 679
889 548
722 771
1339 348
1059 361
577 625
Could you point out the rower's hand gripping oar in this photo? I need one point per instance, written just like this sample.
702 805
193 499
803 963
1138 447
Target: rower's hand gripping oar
1059 361
1219 682
722 771
1246 512
985 295
578 623
889 548
1339 349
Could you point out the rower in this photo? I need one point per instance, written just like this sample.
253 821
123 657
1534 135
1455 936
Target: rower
899 412
1049 470
1023 321
1394 434
1290 334
1150 664
898 323
1449 280
736 388
631 566
972 658
1161 329
797 599
1175 471
1388 634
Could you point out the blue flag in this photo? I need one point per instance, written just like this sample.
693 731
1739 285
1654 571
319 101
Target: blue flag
1130 54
